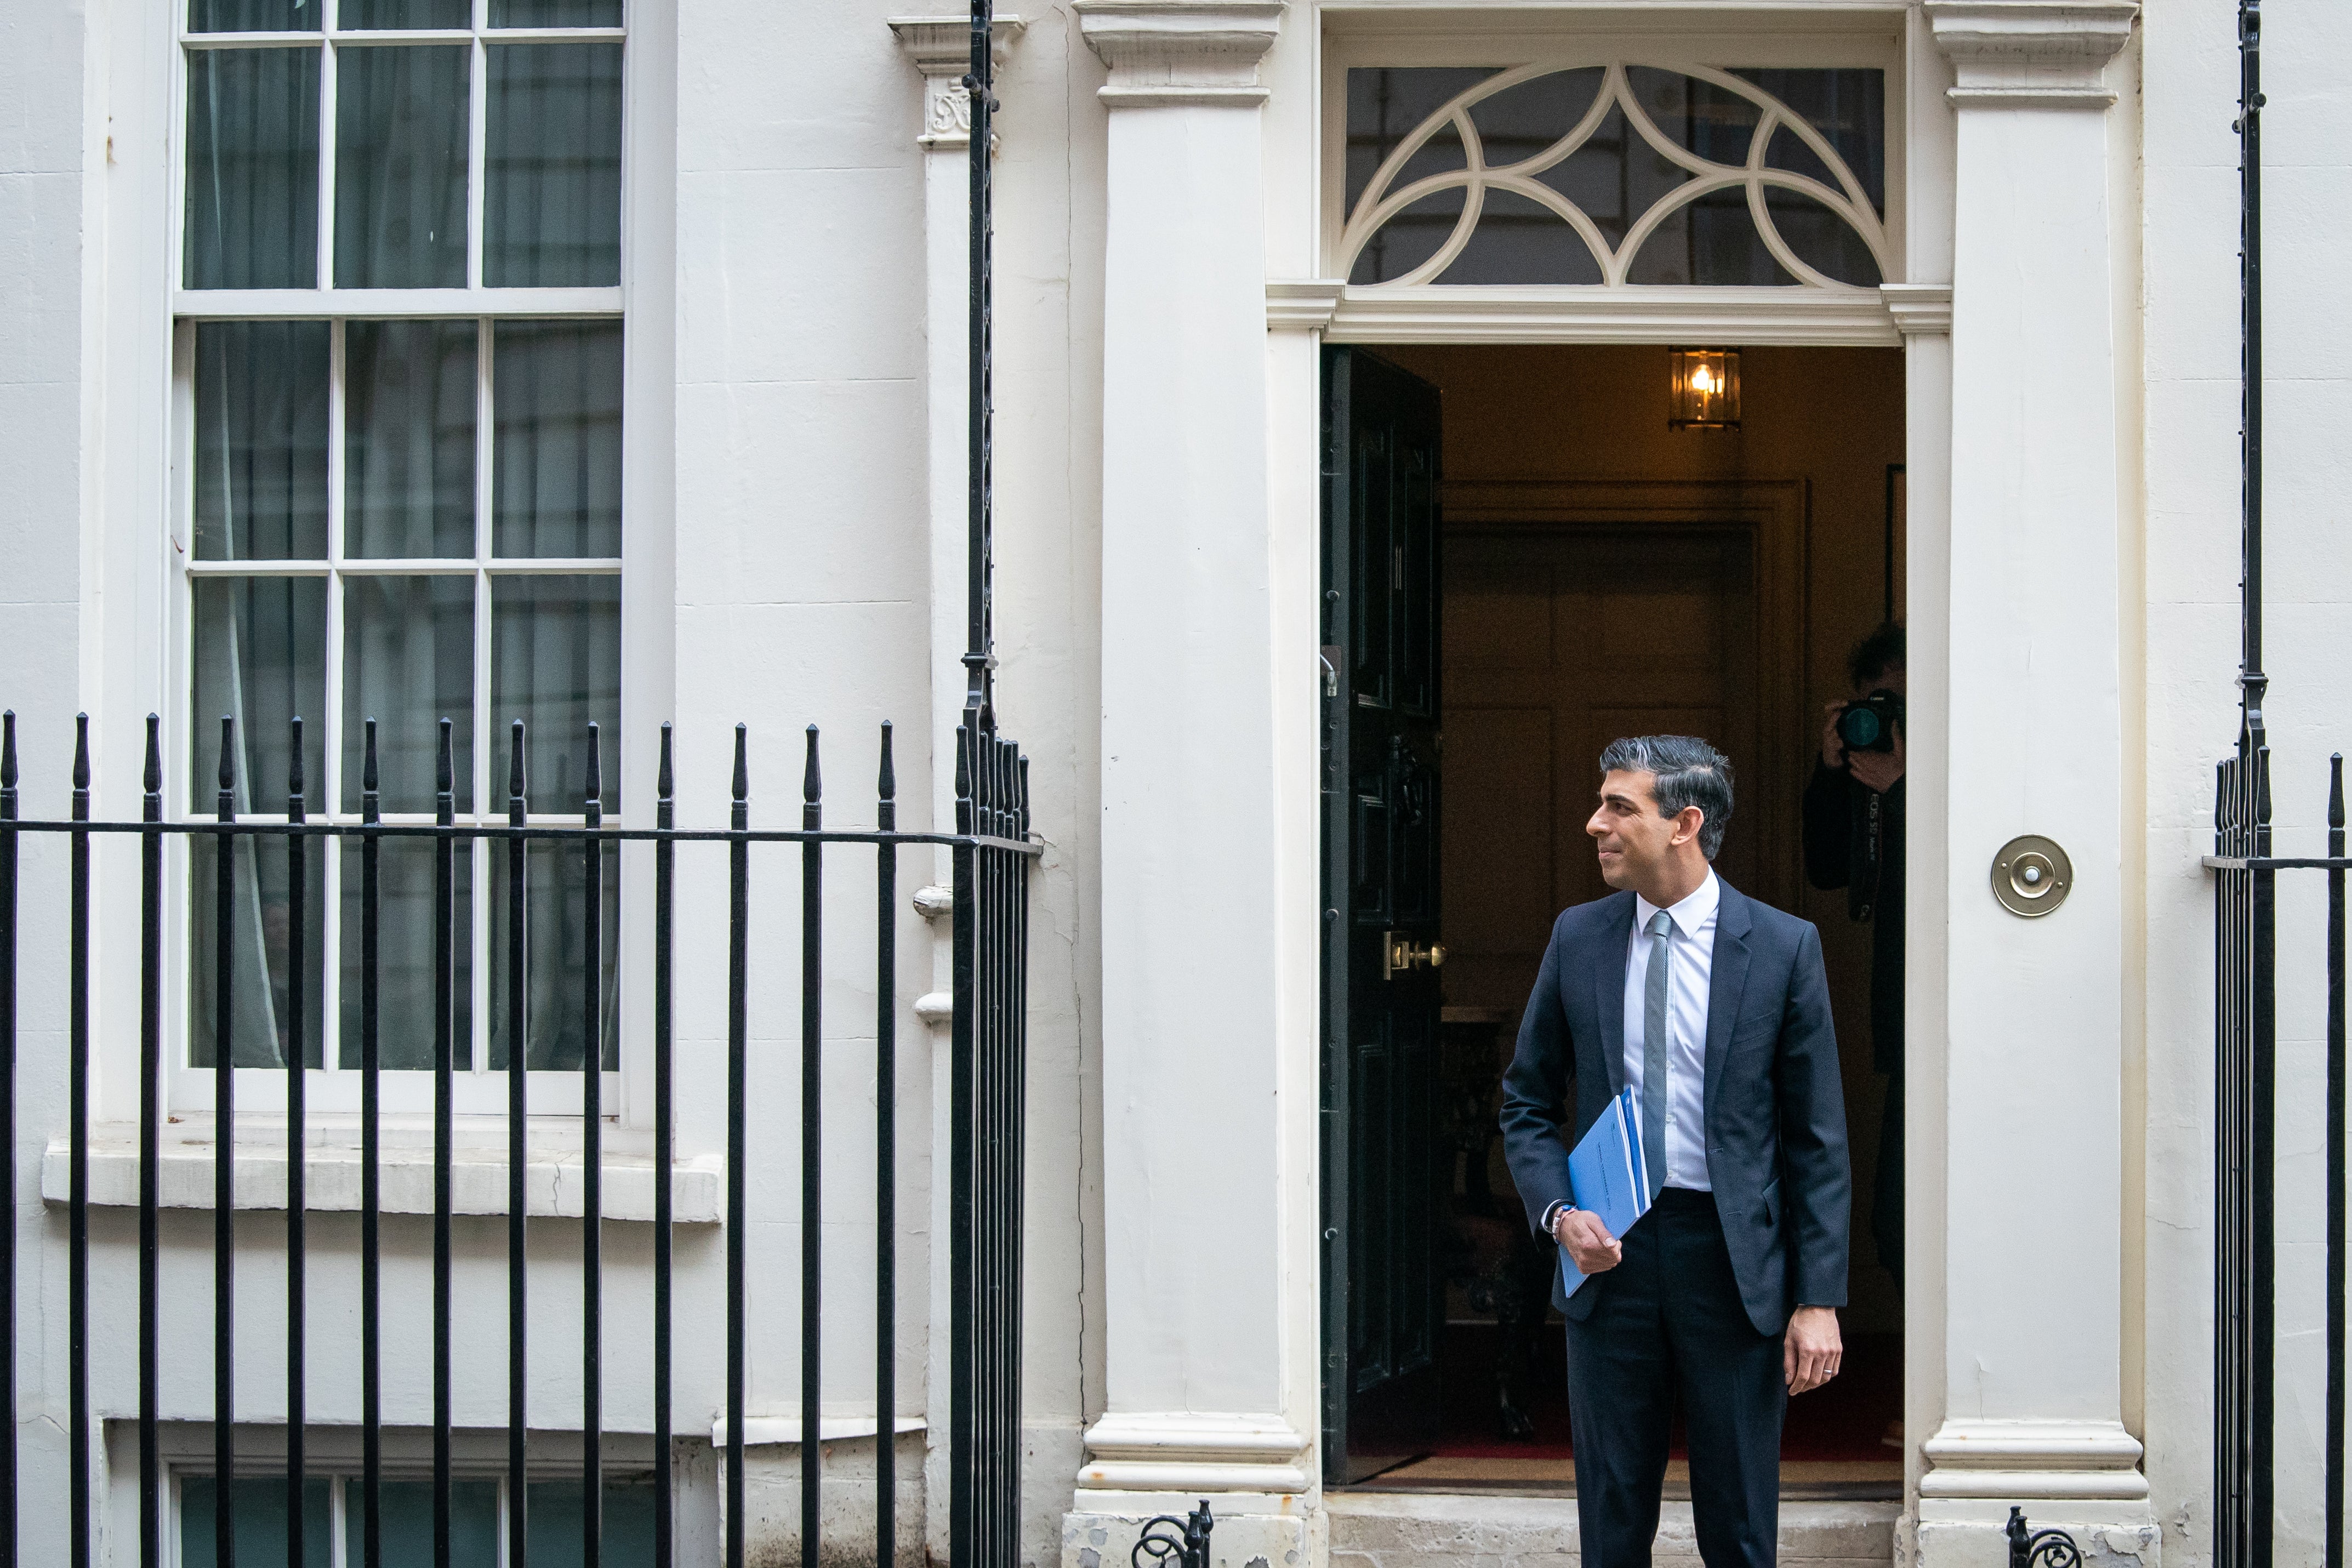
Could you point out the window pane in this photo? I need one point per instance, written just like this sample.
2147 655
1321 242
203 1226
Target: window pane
556 461
555 1523
408 663
1848 106
405 14
406 927
555 663
400 167
552 214
253 168
261 918
555 13
555 957
261 441
408 439
259 652
408 1524
255 15
260 1510
260 659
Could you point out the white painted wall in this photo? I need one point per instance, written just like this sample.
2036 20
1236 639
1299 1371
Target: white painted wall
2188 230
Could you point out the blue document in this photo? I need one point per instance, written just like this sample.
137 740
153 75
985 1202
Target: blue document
1609 1175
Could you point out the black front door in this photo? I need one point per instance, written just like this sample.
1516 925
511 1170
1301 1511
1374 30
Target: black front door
1382 1300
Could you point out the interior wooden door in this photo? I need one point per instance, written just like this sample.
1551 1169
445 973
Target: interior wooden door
1559 639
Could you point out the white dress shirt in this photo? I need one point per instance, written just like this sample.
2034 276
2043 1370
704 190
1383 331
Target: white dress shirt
1691 940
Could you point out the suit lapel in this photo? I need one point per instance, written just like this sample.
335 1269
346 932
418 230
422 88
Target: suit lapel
1726 982
1609 992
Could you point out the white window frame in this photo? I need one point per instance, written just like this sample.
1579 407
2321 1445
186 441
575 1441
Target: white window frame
333 1089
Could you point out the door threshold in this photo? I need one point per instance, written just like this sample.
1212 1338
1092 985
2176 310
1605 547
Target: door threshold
1802 1480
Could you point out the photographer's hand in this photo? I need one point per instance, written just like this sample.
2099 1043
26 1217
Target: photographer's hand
1833 744
1879 770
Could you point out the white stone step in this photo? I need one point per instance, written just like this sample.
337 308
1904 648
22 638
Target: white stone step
1453 1530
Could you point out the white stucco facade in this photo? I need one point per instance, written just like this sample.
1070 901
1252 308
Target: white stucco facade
2066 214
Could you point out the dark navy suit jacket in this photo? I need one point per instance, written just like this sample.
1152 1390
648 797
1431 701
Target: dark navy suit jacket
1775 1116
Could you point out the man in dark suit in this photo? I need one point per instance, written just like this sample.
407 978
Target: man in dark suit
1715 1011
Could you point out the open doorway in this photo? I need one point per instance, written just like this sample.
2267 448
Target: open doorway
1523 561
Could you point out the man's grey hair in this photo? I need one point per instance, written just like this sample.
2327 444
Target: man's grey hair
1690 772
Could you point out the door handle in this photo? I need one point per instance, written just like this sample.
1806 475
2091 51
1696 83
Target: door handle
1399 955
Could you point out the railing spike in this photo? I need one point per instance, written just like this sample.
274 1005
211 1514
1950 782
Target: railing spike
153 777
595 791
812 781
663 785
444 764
742 763
886 785
369 775
8 749
228 763
294 763
518 773
82 755
2335 789
964 763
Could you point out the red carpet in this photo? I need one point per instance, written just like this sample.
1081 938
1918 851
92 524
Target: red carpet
1842 1422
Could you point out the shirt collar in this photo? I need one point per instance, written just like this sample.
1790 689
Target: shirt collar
1694 914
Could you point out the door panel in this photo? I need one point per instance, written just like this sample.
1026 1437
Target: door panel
1561 638
1382 890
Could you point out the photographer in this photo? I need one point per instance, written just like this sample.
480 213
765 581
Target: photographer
1853 840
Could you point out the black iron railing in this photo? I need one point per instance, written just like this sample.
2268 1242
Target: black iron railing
992 851
2245 994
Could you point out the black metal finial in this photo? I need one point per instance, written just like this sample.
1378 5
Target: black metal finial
81 751
812 787
227 779
2334 789
742 763
8 751
595 790
371 799
665 785
518 772
1021 823
294 769
886 785
963 762
150 806
445 776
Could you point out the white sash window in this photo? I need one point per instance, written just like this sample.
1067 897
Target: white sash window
398 356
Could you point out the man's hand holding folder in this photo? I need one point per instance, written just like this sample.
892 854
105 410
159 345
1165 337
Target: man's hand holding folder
1610 1179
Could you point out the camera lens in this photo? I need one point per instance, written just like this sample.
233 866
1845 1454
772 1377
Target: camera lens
1859 727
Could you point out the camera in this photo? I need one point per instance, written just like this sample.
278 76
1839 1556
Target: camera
1869 725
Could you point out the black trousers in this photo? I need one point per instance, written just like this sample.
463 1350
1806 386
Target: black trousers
1669 1329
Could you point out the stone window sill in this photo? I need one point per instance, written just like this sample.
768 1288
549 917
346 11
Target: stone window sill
553 1175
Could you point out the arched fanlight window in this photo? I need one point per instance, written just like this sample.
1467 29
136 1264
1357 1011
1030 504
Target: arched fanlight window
1614 175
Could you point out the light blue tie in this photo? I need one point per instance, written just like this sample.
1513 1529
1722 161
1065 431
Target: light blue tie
1653 1051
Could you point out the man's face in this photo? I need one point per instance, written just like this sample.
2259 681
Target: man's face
1635 843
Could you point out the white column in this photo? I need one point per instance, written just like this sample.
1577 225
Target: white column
941 48
2033 1018
1194 1171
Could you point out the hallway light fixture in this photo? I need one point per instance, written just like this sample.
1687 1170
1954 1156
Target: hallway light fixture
1706 389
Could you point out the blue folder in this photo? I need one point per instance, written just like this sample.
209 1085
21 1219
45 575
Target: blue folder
1609 1175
